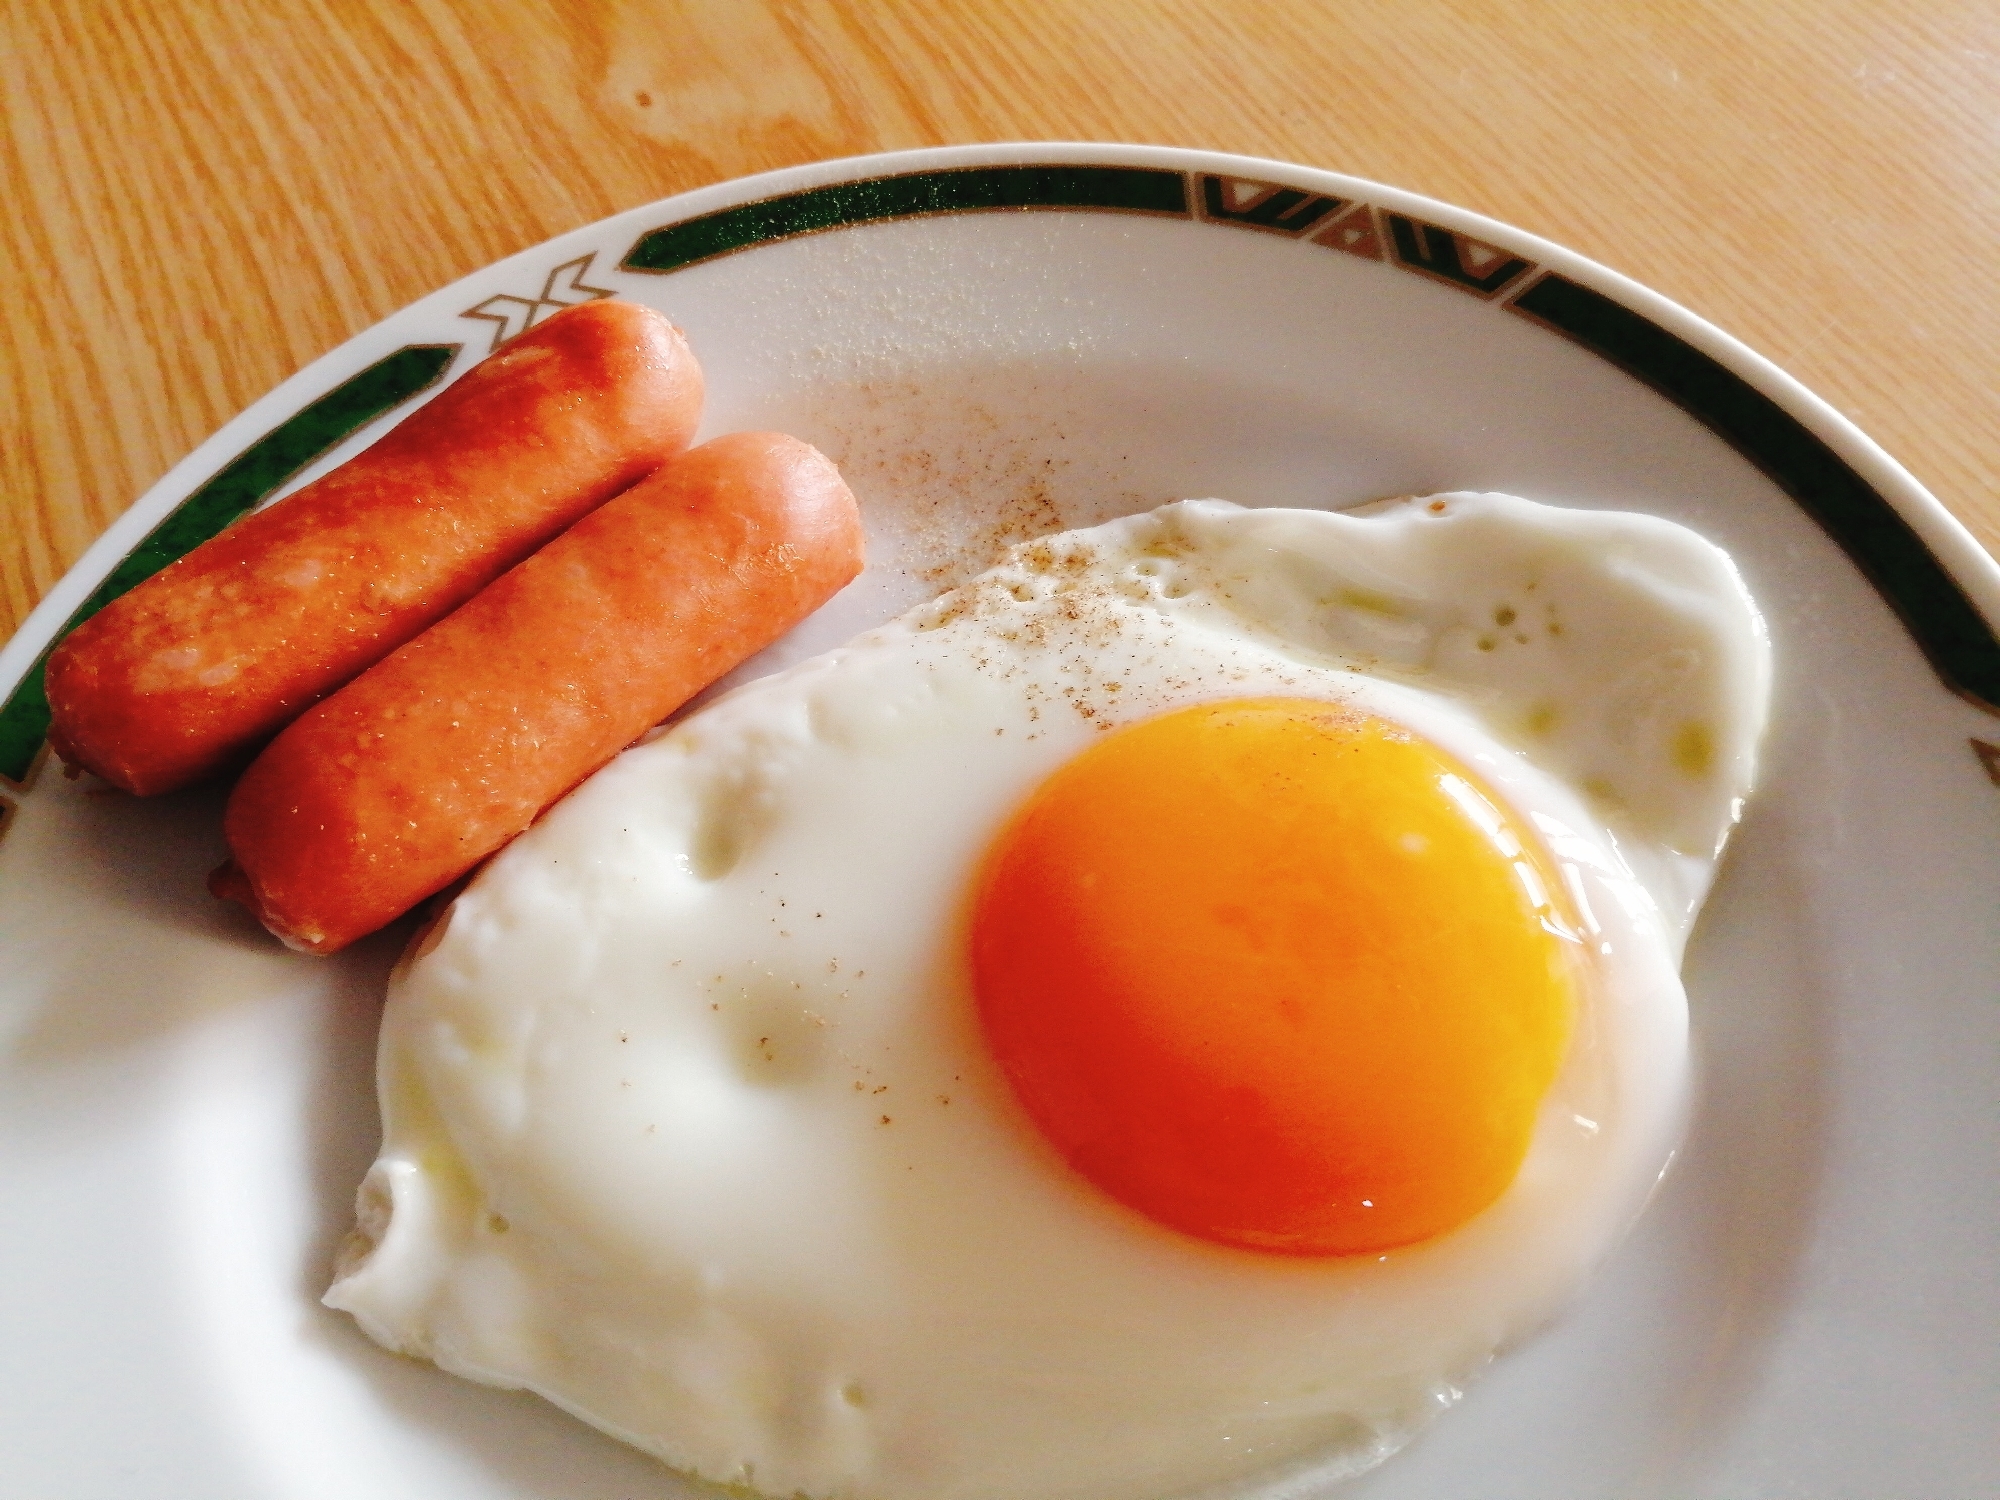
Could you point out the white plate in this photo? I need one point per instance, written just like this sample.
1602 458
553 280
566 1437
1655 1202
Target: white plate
1810 1306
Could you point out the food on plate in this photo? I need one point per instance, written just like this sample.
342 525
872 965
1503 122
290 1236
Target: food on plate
185 676
432 759
702 1116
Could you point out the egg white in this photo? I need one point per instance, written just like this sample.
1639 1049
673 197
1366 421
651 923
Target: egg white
689 1127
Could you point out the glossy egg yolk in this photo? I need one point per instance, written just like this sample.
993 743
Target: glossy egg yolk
1276 974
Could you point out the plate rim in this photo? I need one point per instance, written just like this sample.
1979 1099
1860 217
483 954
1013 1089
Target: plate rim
1942 535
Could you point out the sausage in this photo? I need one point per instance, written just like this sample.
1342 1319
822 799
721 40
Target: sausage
188 674
431 760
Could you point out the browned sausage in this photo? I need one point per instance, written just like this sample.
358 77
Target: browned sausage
189 673
428 762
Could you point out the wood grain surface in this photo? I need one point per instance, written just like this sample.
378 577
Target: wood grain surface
203 195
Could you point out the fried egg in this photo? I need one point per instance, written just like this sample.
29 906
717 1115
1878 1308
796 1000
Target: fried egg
1157 1019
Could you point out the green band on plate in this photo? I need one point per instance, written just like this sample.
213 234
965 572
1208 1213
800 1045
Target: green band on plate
959 190
245 480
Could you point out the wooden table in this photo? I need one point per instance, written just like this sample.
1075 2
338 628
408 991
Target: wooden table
203 195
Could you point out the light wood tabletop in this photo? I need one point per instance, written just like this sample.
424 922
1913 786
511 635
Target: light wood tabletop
204 195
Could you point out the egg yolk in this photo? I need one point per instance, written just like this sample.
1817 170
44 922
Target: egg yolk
1276 974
